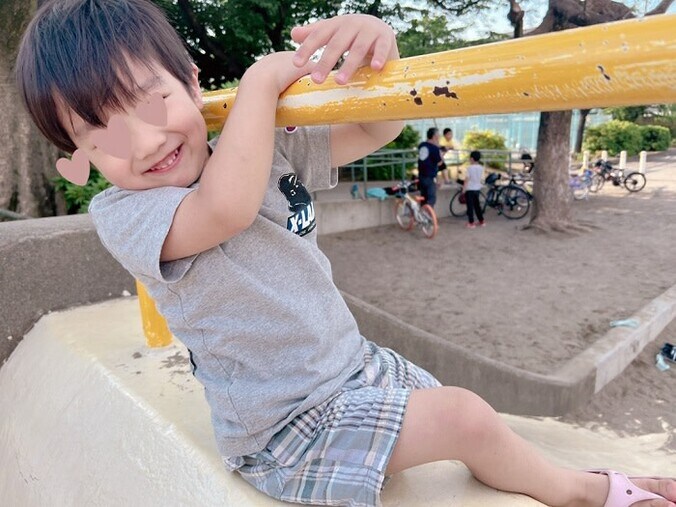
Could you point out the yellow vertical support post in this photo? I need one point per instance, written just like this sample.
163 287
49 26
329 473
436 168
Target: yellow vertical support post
154 326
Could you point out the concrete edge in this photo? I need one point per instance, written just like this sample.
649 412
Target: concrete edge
610 355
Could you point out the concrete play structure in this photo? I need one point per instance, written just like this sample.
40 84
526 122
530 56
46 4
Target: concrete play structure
91 415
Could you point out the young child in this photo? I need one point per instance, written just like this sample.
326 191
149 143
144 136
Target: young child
224 238
472 188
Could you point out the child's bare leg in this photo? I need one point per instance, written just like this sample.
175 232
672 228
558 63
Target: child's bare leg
453 423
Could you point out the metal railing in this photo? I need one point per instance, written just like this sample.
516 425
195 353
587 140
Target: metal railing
393 165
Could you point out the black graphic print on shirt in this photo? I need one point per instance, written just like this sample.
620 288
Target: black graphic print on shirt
300 203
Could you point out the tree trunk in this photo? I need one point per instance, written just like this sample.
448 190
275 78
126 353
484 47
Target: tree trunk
552 197
579 135
27 159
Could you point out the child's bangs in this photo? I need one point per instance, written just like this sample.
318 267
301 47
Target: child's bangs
95 95
77 56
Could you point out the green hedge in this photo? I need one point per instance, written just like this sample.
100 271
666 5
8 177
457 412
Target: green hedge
77 197
487 140
655 138
615 136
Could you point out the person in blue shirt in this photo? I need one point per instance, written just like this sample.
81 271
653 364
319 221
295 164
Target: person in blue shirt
430 162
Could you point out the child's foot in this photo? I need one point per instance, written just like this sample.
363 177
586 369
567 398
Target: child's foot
470 225
482 223
617 490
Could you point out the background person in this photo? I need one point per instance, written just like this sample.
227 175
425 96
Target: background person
429 163
472 188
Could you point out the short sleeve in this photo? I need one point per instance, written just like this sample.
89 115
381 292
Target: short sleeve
133 225
308 150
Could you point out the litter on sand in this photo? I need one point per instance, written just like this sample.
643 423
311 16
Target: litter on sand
633 323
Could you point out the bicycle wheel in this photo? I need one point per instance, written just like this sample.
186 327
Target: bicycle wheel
634 182
596 184
580 190
513 202
457 208
429 224
404 214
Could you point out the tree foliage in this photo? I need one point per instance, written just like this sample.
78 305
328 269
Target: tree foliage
225 37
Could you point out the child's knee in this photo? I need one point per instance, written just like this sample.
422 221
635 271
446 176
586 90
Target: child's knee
468 417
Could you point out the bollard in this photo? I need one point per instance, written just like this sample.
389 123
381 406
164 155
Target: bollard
642 160
614 64
623 159
585 159
604 155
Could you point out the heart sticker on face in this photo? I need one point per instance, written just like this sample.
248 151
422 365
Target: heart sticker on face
115 139
153 111
75 170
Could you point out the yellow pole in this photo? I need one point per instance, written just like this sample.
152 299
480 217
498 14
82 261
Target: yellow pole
154 326
629 62
616 64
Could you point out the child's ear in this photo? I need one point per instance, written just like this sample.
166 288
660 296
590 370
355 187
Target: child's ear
195 89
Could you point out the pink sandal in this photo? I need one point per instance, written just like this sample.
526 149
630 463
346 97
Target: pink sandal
623 492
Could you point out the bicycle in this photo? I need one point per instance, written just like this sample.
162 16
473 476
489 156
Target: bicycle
408 211
509 200
580 184
604 171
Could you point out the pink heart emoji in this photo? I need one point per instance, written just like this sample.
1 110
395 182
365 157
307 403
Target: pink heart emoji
153 111
115 139
75 170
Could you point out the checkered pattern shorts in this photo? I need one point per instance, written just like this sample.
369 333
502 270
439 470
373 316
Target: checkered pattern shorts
336 453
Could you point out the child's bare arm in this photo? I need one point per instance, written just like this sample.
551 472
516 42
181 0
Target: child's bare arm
370 42
234 179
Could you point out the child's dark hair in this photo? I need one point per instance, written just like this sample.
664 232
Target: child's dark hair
431 132
74 54
447 130
475 155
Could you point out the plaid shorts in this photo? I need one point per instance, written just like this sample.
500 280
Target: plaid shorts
336 453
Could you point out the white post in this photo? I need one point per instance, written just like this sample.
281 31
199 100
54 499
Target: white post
585 159
623 159
642 159
604 155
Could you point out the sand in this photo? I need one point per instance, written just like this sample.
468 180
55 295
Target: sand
533 300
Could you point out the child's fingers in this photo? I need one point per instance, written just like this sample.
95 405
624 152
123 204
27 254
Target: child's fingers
359 49
381 52
298 33
332 53
314 36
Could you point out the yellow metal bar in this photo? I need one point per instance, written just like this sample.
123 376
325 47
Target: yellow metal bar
154 326
616 64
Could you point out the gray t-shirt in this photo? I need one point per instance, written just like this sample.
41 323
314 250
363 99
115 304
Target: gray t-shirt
269 334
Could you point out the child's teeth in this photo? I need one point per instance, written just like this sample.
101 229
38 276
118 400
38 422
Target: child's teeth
168 162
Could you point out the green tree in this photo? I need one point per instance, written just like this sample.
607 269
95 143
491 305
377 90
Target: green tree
629 113
225 37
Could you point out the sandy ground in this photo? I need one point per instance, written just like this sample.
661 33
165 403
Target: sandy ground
534 300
